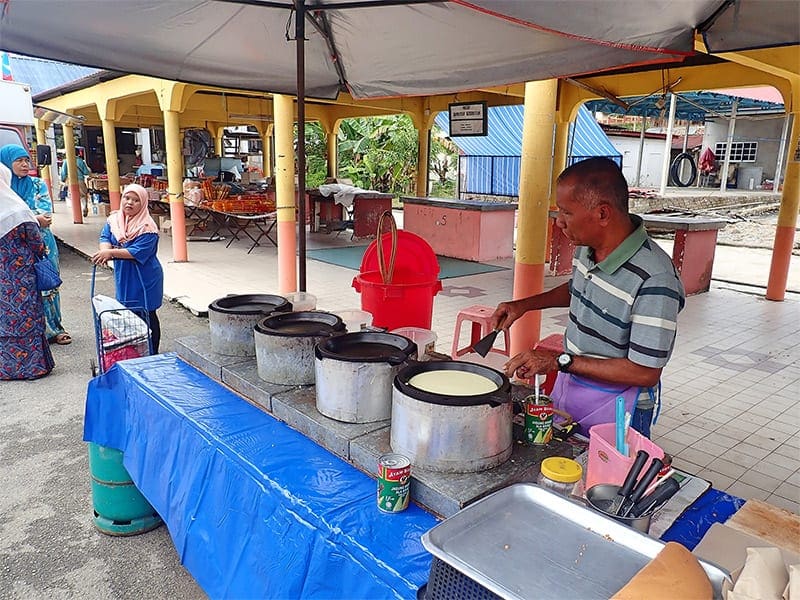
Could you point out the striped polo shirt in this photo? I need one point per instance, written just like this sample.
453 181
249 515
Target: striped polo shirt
627 305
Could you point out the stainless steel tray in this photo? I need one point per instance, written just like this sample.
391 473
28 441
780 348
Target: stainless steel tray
525 542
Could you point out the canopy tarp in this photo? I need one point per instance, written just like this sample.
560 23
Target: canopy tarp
375 48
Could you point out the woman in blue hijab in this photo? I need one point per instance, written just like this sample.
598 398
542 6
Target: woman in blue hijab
35 194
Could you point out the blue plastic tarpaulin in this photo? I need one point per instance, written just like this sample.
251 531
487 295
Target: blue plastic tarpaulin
255 509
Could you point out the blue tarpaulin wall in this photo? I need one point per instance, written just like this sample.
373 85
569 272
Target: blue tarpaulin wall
490 164
255 509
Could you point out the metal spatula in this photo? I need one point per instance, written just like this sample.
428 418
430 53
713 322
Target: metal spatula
483 345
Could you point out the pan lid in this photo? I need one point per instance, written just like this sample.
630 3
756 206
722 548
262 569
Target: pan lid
250 304
301 324
414 255
403 382
367 346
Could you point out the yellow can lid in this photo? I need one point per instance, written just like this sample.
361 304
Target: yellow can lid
563 470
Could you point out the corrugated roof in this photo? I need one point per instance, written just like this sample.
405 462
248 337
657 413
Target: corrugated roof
491 164
43 75
505 135
691 106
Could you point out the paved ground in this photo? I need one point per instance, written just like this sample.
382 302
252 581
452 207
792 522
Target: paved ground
730 404
48 545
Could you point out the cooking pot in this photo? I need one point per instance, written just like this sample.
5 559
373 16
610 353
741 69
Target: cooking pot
285 345
232 319
447 432
354 374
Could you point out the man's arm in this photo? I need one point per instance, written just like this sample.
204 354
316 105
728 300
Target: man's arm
508 312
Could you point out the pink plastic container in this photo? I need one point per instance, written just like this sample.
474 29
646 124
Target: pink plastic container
605 464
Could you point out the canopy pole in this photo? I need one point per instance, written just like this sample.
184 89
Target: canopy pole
641 152
673 103
300 41
781 153
728 142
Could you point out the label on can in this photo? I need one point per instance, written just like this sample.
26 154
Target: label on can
394 482
538 419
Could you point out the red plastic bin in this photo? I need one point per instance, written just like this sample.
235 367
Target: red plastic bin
406 301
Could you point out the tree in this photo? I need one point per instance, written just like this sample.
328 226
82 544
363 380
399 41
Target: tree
379 153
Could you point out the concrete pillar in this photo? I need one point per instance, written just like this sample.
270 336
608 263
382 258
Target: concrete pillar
673 103
536 169
44 172
787 216
423 157
172 133
332 141
728 141
72 174
285 193
112 162
266 151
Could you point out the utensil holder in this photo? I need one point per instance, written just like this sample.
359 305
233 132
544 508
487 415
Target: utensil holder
605 464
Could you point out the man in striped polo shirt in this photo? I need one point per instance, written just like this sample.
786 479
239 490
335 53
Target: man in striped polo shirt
624 297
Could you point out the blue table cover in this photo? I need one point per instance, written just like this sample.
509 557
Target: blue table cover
255 509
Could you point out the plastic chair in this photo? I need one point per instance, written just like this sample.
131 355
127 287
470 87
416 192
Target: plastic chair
479 316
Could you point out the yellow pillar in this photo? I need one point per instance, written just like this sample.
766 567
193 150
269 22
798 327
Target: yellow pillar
332 139
217 134
41 140
423 157
787 216
285 193
112 164
172 133
536 169
265 131
72 173
559 155
266 152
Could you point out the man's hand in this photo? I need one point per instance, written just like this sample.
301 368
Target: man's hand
102 257
529 363
505 314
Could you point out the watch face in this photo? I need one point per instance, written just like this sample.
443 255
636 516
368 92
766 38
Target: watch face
564 359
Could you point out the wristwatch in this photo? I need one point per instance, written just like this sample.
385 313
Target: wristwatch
564 361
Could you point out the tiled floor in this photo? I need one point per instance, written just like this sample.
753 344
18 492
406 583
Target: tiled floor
731 393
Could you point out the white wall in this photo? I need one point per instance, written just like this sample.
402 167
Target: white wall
767 132
651 163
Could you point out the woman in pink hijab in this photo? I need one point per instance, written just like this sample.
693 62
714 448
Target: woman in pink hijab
130 239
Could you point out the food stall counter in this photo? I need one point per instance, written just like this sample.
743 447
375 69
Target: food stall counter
467 229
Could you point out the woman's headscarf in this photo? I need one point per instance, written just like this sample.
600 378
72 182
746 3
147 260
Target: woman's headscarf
13 211
125 229
23 186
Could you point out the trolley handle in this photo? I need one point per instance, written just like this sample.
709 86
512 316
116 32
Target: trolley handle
138 272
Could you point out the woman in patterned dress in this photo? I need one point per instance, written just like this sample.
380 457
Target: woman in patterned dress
24 351
35 194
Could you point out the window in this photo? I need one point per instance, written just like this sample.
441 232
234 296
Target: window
740 151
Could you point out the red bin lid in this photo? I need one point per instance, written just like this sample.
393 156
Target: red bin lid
414 255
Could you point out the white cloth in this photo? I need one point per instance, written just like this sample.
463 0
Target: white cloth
342 193
13 210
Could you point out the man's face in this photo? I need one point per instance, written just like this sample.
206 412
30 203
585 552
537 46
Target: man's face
580 225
